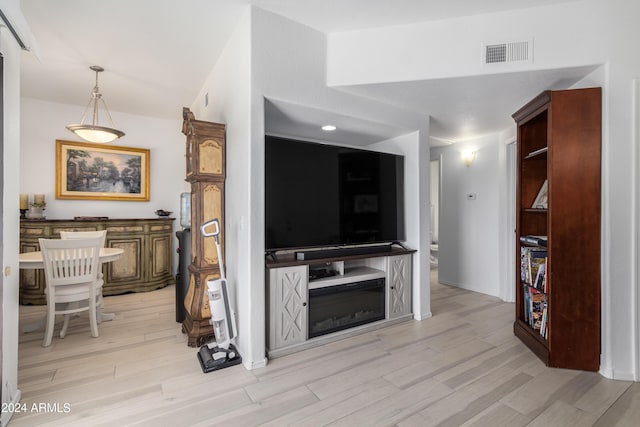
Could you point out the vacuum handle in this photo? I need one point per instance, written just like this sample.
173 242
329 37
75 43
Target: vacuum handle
216 231
215 234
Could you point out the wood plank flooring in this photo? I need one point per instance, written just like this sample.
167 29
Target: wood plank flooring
462 367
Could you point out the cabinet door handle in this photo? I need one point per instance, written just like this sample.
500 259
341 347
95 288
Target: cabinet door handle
393 287
304 304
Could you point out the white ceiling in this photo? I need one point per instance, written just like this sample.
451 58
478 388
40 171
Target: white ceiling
291 120
467 107
158 53
347 15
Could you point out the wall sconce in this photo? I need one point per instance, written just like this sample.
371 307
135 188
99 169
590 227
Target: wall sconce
468 157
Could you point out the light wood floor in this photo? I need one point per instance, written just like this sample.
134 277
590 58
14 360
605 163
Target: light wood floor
461 367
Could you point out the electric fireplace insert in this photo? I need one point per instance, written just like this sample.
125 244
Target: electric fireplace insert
339 307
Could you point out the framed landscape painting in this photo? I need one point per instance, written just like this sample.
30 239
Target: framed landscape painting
101 172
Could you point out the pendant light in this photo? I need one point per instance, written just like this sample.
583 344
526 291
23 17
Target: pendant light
94 132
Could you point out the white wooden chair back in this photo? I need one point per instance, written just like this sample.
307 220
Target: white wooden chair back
69 262
67 235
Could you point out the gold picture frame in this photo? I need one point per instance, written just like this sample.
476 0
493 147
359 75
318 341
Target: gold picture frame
86 171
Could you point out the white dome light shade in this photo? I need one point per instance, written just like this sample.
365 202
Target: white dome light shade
98 134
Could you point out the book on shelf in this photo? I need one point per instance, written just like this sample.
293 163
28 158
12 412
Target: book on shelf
540 276
543 322
542 199
533 261
524 264
525 297
545 289
534 240
535 305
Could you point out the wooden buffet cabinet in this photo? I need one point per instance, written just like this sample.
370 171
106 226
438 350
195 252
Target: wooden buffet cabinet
146 264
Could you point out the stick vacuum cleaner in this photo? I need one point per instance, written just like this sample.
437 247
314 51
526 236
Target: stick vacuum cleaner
220 353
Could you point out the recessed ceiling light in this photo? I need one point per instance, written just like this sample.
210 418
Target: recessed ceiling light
328 128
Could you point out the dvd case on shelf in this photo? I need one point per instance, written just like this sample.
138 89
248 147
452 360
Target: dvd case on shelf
534 240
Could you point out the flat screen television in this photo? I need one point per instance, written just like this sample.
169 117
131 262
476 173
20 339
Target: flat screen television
319 195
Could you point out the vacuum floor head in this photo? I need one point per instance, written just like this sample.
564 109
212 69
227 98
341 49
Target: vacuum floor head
208 363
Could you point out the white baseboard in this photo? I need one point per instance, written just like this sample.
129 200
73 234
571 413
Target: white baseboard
423 316
250 365
616 375
606 372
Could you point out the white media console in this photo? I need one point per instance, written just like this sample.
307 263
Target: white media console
312 302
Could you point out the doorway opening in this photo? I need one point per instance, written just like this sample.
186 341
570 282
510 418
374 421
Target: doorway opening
434 182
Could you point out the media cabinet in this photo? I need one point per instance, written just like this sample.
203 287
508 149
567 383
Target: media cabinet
316 301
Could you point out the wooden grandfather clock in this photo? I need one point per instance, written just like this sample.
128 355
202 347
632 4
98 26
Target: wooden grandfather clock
205 156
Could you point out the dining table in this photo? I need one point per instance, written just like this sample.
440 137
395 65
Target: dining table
33 260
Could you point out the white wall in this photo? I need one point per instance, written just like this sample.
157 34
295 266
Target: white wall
417 213
289 60
565 35
507 212
10 219
415 51
269 56
477 237
470 229
44 122
434 198
229 88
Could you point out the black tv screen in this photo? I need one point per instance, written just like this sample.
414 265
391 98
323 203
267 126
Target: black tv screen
324 195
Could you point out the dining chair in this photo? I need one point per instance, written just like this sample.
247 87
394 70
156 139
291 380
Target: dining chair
65 235
71 271
68 235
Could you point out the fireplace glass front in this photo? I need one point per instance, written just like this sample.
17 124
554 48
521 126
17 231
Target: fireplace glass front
335 308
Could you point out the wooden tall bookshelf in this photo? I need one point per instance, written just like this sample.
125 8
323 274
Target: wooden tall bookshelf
559 140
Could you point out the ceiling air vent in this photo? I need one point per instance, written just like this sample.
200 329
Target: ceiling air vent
501 53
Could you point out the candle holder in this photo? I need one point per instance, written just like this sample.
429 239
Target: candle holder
35 212
23 213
